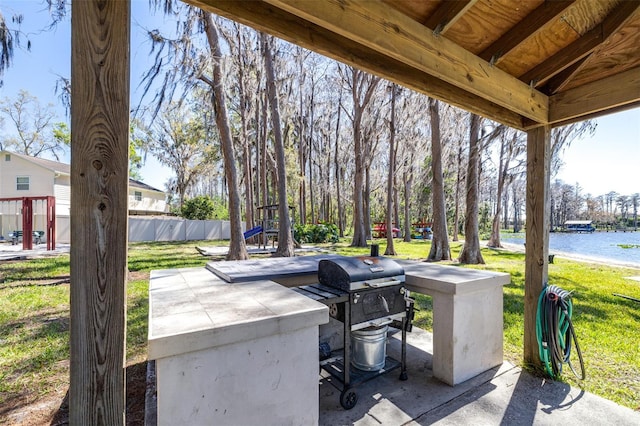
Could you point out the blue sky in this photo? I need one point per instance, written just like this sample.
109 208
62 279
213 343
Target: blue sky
608 161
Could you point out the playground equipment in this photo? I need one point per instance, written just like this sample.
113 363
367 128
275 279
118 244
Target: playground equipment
380 230
253 231
421 230
268 216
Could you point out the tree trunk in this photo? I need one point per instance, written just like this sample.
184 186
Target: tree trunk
237 246
456 217
471 253
302 157
390 250
362 94
516 216
338 170
366 201
359 235
408 181
327 180
258 165
396 192
494 239
246 149
312 196
440 242
285 239
264 177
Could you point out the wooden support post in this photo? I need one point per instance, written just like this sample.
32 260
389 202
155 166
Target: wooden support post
100 32
537 236
51 223
27 223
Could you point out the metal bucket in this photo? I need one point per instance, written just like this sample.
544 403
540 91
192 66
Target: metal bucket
368 348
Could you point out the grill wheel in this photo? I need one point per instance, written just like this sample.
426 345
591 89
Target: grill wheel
348 399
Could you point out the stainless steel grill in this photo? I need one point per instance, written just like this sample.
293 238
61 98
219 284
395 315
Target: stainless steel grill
375 286
367 295
355 273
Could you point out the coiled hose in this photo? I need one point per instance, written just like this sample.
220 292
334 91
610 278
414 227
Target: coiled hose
554 331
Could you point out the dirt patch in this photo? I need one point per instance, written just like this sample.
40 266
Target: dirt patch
53 409
138 275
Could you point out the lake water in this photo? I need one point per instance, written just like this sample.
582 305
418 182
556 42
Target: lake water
597 245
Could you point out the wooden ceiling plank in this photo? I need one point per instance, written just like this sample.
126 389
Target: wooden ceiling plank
583 46
447 14
596 97
394 35
286 26
563 59
528 27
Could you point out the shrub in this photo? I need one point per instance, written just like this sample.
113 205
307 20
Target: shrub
316 233
198 208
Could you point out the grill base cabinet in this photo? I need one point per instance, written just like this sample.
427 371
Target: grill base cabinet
233 354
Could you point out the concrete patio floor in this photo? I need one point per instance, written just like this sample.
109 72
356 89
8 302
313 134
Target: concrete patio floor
504 395
15 252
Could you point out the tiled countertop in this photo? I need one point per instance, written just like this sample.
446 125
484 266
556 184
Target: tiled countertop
192 309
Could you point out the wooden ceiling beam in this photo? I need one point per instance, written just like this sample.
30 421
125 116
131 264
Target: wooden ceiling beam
447 14
595 115
528 27
286 26
558 81
583 46
596 98
394 35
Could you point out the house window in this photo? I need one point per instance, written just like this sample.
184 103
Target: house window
7 157
22 183
137 195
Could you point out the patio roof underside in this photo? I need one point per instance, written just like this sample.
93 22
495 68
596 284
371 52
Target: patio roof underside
521 63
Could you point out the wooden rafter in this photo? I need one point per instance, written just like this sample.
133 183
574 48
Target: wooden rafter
447 14
583 46
612 92
528 27
394 35
558 81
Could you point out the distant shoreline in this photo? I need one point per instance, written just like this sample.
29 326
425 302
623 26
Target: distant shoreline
517 248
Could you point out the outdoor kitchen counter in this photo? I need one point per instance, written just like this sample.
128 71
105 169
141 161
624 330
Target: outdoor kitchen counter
467 317
467 307
226 352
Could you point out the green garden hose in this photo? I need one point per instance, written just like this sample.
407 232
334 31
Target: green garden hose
554 331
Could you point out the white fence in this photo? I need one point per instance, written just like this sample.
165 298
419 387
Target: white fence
161 228
177 229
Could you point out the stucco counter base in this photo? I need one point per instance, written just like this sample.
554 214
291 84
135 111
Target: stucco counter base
229 353
467 317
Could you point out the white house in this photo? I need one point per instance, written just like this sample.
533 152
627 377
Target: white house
25 176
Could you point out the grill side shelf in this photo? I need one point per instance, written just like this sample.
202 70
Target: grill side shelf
322 293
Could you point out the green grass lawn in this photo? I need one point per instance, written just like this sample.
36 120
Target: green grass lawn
34 316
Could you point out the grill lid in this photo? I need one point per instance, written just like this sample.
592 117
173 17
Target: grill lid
343 272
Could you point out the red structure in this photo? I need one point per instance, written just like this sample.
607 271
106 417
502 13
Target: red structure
27 220
380 230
